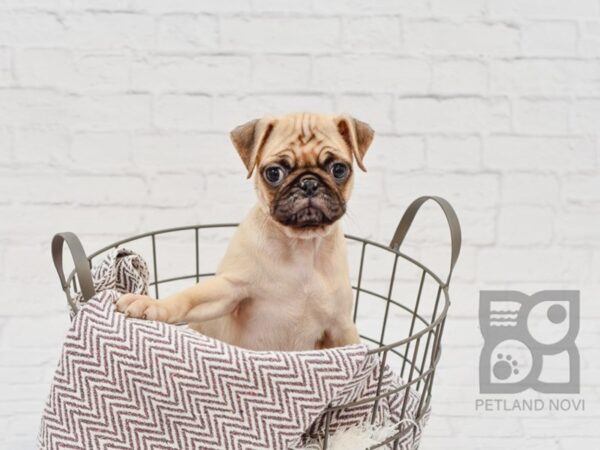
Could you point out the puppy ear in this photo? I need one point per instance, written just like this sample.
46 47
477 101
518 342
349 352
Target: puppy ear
249 138
357 135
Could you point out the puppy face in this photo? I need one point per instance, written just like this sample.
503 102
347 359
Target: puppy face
304 166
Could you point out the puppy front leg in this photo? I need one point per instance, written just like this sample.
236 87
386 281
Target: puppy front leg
209 299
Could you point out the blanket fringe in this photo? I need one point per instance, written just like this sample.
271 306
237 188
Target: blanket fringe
359 437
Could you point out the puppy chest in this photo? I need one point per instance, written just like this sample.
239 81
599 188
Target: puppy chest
271 326
300 294
291 308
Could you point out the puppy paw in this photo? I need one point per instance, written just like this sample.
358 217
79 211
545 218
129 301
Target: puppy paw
141 307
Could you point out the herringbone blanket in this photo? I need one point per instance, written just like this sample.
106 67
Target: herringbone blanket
131 384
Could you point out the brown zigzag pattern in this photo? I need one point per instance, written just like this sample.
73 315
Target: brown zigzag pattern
131 384
120 269
137 384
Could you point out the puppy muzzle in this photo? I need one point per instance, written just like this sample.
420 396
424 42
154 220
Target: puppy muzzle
307 202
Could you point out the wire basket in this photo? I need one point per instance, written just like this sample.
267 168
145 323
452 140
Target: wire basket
418 311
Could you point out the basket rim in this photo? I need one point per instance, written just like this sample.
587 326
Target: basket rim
398 254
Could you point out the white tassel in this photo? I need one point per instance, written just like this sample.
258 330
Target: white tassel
359 437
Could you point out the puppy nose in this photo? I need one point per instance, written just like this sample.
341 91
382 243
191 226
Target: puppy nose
309 185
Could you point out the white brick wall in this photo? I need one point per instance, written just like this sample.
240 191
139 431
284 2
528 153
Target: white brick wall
114 117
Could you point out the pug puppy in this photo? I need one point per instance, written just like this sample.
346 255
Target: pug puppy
283 283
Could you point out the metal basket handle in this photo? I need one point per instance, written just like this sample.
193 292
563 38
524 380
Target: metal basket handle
82 265
453 223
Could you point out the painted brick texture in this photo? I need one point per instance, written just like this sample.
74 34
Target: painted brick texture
114 119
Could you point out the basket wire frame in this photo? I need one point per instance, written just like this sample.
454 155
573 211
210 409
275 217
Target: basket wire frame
418 353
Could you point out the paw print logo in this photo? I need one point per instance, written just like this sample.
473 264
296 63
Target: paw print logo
510 362
527 340
505 367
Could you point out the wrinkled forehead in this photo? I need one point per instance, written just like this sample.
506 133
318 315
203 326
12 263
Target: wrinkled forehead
305 140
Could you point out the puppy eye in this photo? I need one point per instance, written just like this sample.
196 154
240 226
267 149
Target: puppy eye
274 175
339 171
